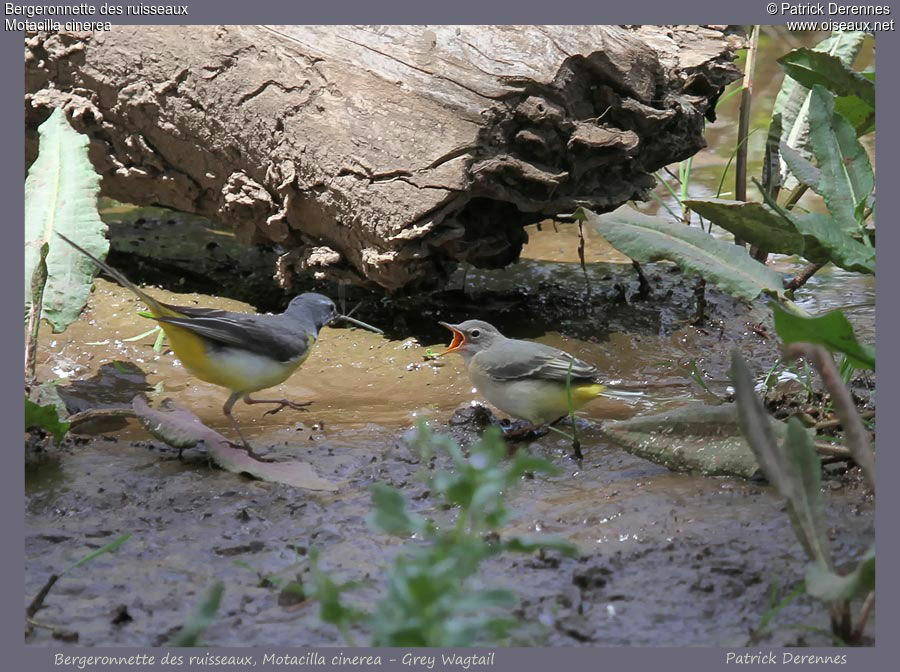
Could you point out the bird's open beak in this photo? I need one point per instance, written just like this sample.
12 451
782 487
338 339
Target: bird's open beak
459 339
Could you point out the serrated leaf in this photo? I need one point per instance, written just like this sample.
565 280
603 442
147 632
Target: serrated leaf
801 168
811 68
857 112
792 103
46 418
833 243
846 174
752 222
61 195
831 330
647 239
829 586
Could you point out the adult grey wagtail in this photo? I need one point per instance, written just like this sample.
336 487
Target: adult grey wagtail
239 351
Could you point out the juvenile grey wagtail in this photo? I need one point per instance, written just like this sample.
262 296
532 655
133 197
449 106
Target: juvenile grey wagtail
240 351
524 379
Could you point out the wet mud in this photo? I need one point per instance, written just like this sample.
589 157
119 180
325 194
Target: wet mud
664 558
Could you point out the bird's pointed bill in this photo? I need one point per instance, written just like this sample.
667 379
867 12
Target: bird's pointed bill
458 339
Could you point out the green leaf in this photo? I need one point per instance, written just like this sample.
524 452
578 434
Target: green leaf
108 548
646 239
821 582
752 222
857 112
390 515
791 110
46 418
831 330
804 170
805 493
846 174
812 68
532 544
61 195
201 618
793 468
823 238
826 241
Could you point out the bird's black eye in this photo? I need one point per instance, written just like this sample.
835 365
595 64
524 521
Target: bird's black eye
475 333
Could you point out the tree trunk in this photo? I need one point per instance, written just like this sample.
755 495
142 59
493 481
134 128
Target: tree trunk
382 155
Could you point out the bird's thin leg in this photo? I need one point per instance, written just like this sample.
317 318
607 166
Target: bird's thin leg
282 403
523 430
226 409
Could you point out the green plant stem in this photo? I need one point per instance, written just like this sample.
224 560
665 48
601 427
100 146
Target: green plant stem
740 170
345 633
730 159
665 205
38 282
576 444
684 172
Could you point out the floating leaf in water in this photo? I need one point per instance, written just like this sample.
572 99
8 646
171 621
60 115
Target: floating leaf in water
646 239
181 429
61 195
832 330
46 418
696 437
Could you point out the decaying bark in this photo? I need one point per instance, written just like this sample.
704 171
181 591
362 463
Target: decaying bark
382 155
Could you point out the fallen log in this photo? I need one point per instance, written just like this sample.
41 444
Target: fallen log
381 155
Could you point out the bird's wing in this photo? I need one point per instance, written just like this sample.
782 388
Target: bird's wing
523 359
261 334
195 311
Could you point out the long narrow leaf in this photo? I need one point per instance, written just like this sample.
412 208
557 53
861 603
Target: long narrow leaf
647 239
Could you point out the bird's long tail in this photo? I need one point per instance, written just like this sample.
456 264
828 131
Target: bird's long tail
158 309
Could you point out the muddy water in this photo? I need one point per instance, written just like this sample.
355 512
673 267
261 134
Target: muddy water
665 558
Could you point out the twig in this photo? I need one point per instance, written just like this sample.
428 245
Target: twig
830 450
98 414
854 430
38 600
587 280
802 277
644 284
